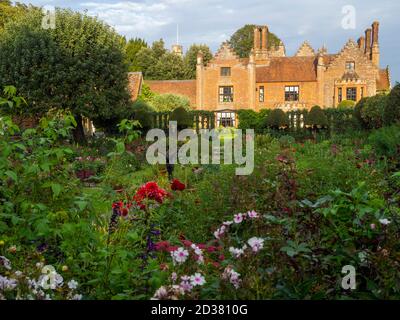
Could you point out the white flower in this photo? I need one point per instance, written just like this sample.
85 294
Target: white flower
5 262
385 222
256 244
77 297
238 218
232 276
161 293
197 280
236 253
51 279
227 223
197 250
220 232
18 273
39 265
7 284
73 284
174 276
252 214
180 255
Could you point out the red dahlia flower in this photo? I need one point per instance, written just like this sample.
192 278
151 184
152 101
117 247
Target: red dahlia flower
176 185
150 191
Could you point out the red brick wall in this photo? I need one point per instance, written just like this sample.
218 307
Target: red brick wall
181 87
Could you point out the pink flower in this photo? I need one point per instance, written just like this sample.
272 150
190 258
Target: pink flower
373 226
238 218
197 280
252 214
256 244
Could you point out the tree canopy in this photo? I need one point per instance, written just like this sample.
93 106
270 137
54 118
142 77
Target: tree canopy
132 47
191 58
243 39
77 66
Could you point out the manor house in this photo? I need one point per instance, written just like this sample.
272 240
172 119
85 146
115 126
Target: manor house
270 79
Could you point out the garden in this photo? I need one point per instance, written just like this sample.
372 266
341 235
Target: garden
86 217
96 221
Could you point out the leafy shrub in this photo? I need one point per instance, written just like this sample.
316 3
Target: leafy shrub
248 119
358 112
386 141
277 119
372 112
144 114
182 117
316 118
286 141
346 104
392 108
169 102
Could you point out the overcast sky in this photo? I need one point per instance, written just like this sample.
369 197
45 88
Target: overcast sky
213 21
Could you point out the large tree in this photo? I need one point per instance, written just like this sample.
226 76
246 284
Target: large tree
243 39
8 11
132 48
191 58
77 66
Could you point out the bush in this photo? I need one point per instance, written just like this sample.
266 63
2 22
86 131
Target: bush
357 112
169 102
316 118
372 111
386 141
392 108
346 104
277 119
144 114
183 118
248 119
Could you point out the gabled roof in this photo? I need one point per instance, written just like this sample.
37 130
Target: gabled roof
286 69
135 80
383 81
305 50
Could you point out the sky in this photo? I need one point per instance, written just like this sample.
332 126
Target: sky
211 22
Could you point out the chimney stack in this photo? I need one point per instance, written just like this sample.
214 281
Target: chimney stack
264 41
368 42
256 38
361 43
375 53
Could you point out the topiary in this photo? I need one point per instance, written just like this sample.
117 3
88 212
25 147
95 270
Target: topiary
391 113
183 118
316 118
277 119
144 114
346 104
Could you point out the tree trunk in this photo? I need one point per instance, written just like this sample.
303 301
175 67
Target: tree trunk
78 132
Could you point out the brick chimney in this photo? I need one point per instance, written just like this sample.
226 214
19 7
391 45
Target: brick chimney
375 54
368 43
257 35
361 43
264 35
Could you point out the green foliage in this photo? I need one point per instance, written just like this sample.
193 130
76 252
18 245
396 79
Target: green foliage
146 94
169 102
243 39
78 66
182 117
132 48
191 58
392 107
169 66
346 104
316 118
277 119
10 12
369 111
144 114
386 141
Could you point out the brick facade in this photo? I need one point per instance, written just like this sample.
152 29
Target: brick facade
228 82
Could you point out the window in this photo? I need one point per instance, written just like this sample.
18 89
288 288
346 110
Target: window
350 65
261 94
291 93
225 94
226 119
340 95
352 94
362 92
225 72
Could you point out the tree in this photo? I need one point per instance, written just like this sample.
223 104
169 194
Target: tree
373 110
78 66
9 12
392 109
168 102
316 118
143 113
277 119
182 117
146 61
170 67
132 48
242 40
346 104
191 58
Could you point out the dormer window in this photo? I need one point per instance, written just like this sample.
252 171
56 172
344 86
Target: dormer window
225 72
350 66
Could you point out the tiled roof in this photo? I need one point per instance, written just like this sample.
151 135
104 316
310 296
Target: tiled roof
182 87
135 84
383 81
286 69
